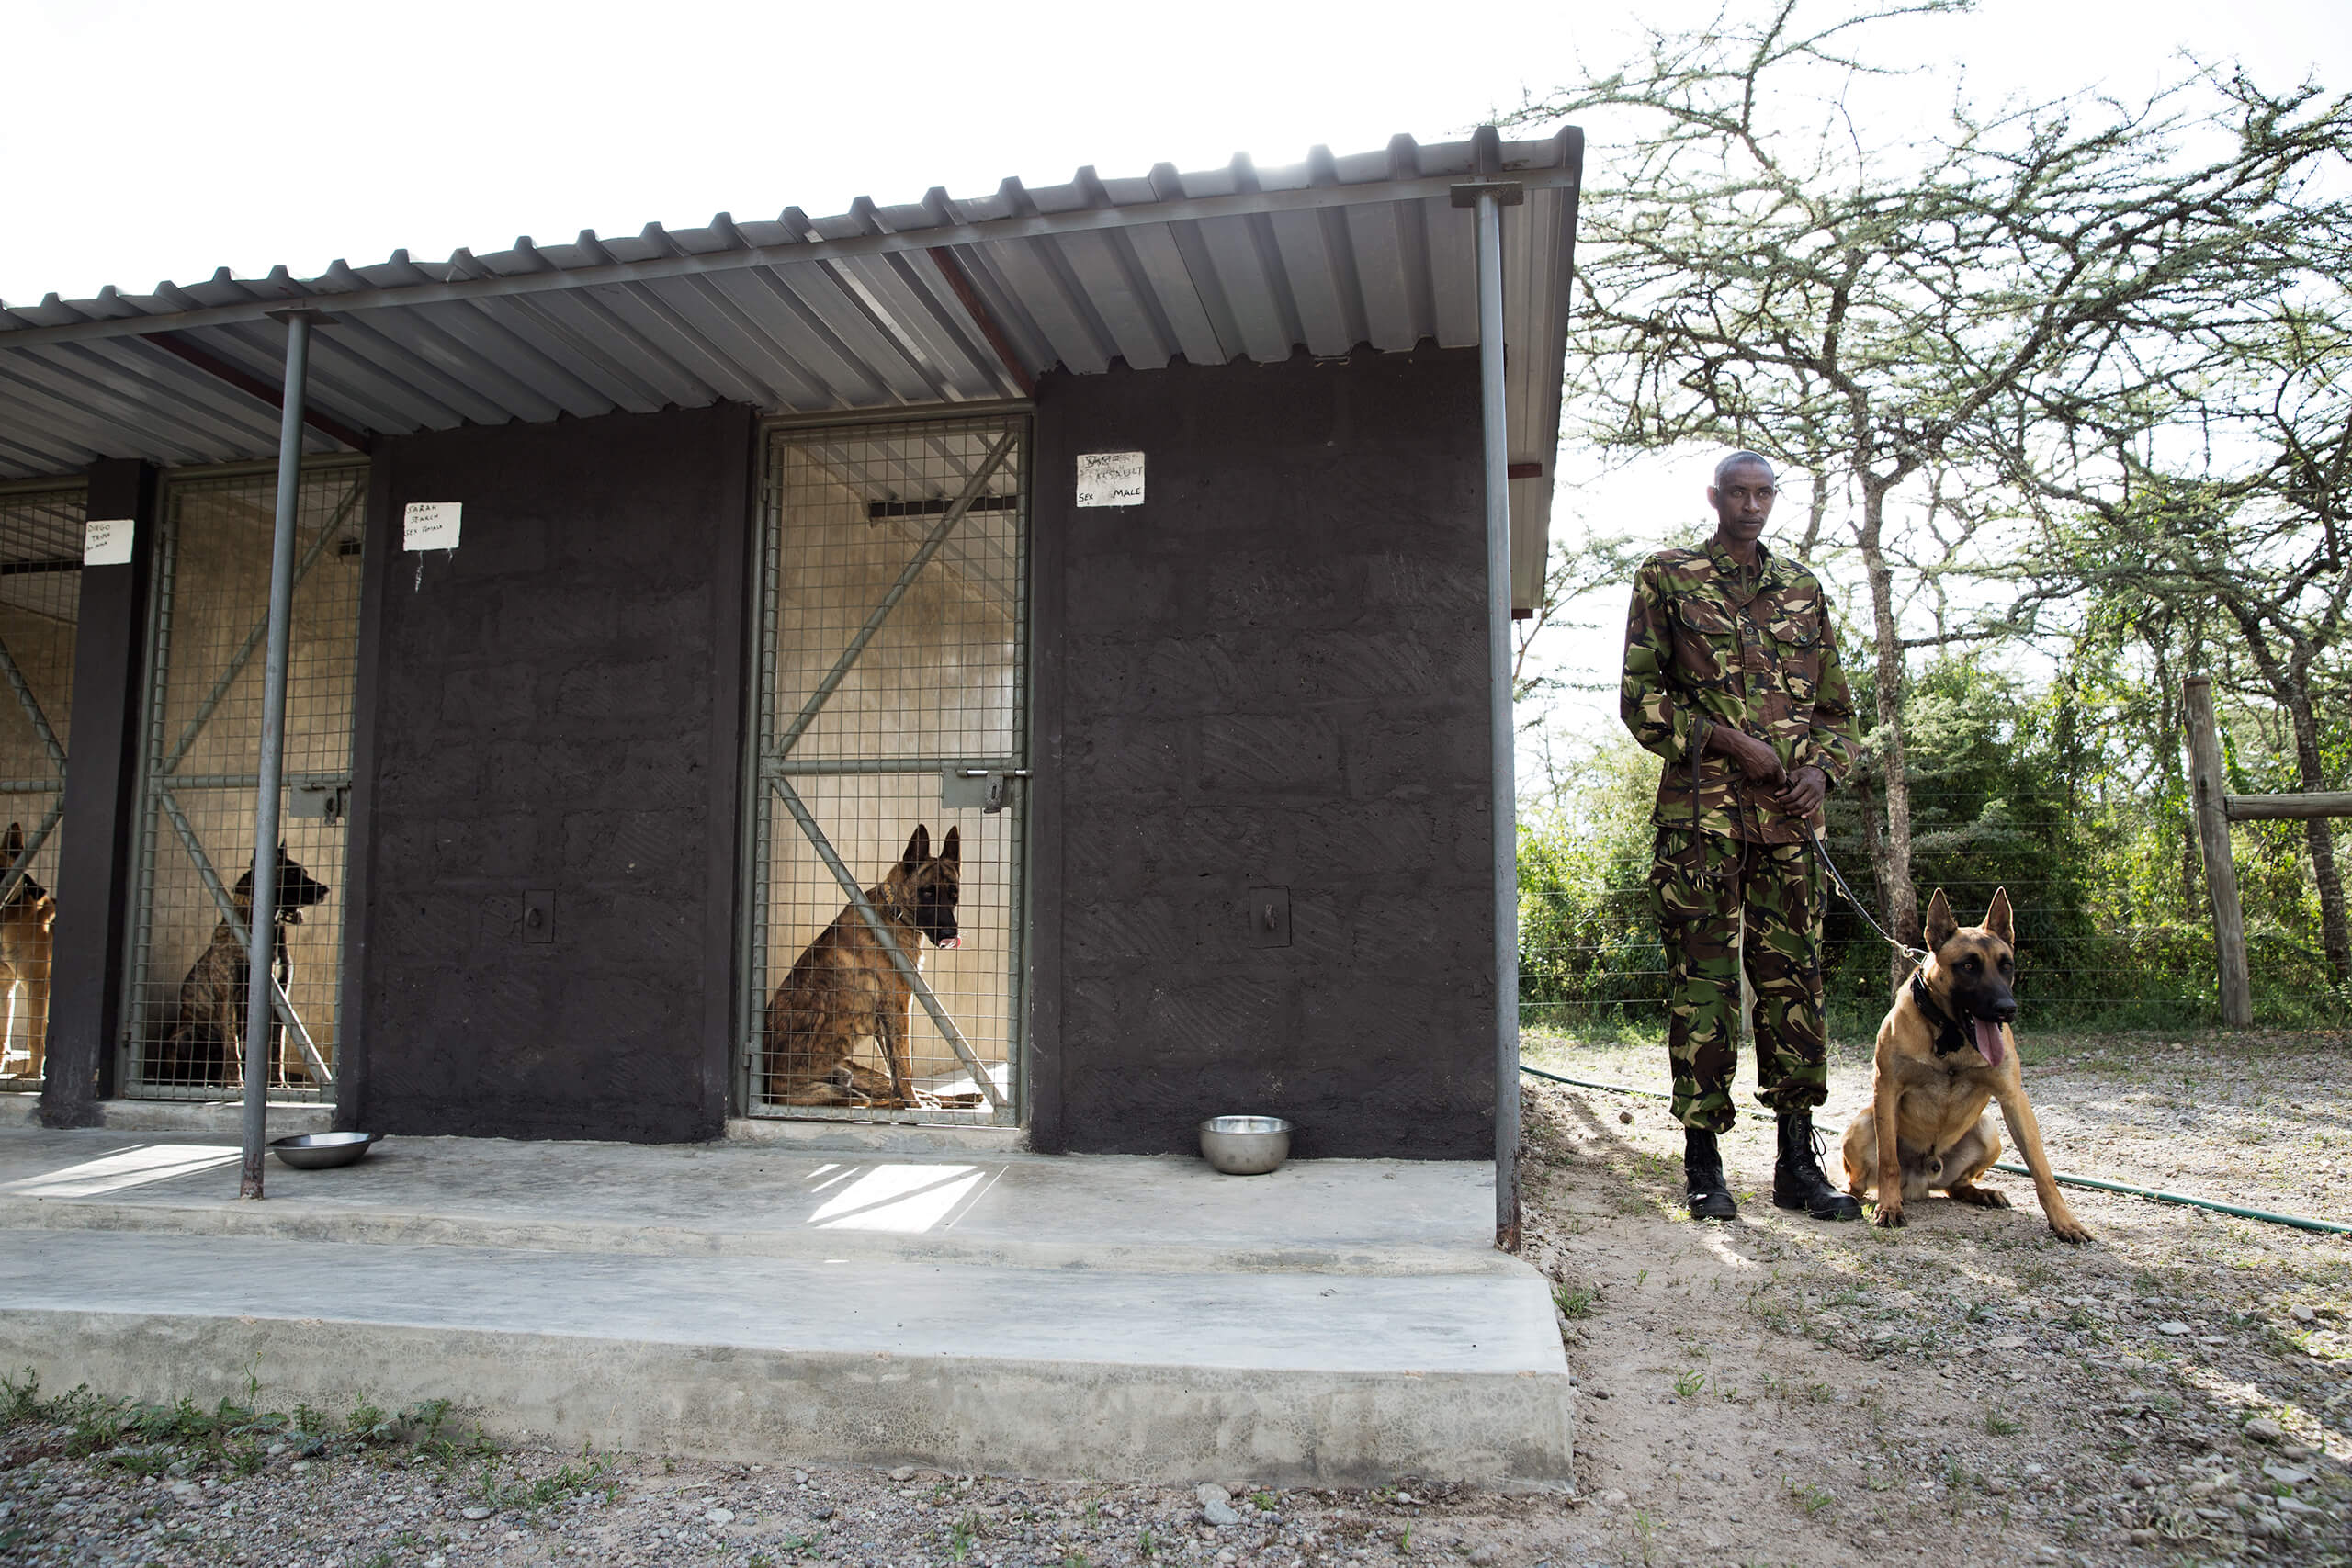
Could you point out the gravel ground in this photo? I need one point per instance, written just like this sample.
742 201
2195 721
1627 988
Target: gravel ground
1774 1391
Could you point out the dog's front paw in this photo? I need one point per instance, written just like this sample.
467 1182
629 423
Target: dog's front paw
2069 1230
1888 1217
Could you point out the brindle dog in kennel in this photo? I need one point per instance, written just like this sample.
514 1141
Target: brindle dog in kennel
843 990
207 1040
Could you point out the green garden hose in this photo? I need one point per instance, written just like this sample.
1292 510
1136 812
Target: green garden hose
2063 1179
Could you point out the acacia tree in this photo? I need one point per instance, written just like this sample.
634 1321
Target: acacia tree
2257 533
1754 268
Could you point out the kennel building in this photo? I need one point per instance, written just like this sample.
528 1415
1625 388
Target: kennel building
675 616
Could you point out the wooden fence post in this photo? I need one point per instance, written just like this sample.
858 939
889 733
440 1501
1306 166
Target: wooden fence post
2207 789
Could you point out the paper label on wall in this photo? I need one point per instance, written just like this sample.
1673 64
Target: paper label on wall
430 526
107 541
1109 479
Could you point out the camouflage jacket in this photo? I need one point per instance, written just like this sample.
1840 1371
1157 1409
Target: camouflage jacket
1709 642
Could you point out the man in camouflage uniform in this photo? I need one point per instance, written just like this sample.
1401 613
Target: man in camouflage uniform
1732 676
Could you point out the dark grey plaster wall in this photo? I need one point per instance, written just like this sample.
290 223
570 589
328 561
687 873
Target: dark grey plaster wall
556 705
1272 672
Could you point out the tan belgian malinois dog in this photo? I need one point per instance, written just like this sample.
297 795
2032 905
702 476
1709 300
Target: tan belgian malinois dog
1945 1050
843 990
25 922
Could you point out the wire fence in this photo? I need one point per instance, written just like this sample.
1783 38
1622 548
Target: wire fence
2089 955
885 957
194 894
40 595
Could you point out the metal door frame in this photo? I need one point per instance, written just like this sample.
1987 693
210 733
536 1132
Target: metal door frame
63 492
768 772
158 776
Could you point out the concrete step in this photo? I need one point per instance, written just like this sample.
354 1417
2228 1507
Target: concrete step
21 1107
1335 1321
1345 1379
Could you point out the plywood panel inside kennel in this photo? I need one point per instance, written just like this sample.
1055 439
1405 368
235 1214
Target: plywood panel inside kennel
201 759
939 681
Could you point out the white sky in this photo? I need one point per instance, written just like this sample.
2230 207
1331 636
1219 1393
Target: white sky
143 140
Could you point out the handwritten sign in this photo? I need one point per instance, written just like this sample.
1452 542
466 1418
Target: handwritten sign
1109 479
107 541
430 525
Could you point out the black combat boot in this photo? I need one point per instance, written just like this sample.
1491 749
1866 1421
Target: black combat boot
1797 1180
1703 1176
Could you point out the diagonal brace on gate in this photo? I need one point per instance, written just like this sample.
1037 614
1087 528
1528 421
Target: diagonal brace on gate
899 960
33 842
930 548
56 749
278 1002
212 699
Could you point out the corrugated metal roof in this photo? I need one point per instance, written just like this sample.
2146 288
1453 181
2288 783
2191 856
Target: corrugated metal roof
940 301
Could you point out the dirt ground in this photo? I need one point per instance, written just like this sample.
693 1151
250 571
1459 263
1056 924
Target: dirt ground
1969 1388
1774 1391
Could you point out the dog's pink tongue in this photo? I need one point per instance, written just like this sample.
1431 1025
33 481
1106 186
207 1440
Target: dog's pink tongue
1989 1042
953 941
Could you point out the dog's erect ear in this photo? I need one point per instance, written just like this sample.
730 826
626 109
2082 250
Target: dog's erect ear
952 851
917 849
14 847
1942 927
1998 918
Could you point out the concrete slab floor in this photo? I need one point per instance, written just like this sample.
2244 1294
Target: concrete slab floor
756 1199
1340 1321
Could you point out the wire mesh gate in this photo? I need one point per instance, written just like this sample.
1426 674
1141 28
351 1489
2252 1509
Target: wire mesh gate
185 1029
885 948
40 596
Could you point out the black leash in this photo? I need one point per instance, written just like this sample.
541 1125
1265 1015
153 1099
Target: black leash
1916 955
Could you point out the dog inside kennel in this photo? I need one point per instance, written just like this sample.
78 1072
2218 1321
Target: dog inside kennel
40 593
885 955
199 766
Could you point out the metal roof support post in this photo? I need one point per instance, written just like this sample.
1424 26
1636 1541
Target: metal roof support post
261 950
1489 198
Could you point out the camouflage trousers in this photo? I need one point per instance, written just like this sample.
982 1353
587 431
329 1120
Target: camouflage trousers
1704 888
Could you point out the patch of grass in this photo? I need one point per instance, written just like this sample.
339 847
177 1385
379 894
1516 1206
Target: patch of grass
1262 1501
1689 1382
149 1439
1576 1303
1147 1543
960 1538
1813 1499
2001 1425
535 1493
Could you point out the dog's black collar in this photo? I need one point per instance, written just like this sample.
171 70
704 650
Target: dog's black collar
1950 1036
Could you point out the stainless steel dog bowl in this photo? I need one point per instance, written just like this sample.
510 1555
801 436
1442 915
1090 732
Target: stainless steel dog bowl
323 1151
1245 1145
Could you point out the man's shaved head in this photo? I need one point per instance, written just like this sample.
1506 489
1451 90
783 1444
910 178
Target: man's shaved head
1735 459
